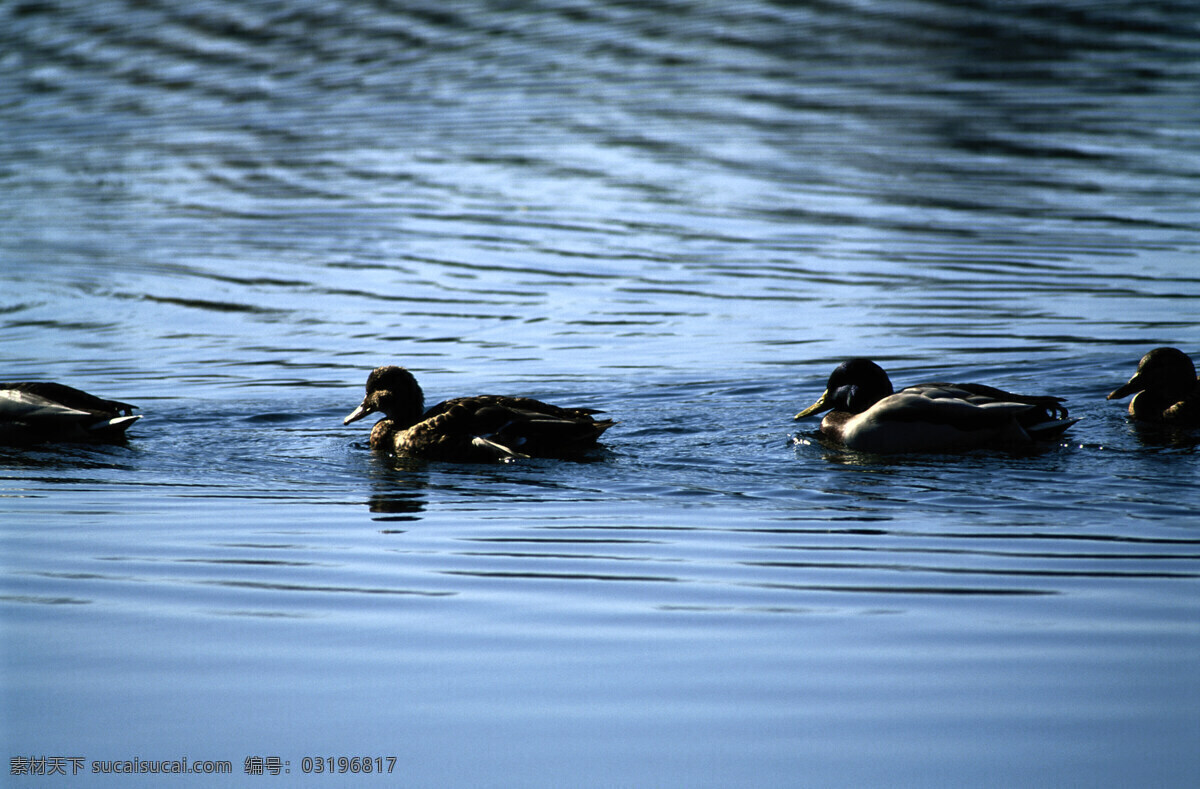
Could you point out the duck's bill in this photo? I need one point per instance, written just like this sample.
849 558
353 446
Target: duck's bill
357 414
815 408
1133 386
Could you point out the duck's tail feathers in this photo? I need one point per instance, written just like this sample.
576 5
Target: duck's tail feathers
1044 431
112 428
600 425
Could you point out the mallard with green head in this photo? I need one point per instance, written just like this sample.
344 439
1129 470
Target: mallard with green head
33 412
1165 389
867 415
479 429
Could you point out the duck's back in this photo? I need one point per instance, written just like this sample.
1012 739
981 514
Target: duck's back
523 404
929 420
67 397
490 427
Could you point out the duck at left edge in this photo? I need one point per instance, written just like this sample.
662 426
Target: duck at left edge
37 412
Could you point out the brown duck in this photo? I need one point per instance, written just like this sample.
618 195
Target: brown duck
479 429
1167 391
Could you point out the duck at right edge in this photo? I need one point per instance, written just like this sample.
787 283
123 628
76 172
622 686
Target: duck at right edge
1165 389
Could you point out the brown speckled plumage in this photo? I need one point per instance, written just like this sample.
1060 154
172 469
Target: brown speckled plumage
483 428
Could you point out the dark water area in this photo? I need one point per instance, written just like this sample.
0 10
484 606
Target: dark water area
685 214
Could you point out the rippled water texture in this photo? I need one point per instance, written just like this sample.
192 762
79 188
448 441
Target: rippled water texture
683 213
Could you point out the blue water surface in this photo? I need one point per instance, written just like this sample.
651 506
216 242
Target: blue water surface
685 214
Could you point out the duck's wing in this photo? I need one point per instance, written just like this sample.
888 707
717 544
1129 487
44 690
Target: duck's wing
921 421
18 404
976 407
932 419
538 426
527 425
70 397
983 395
938 404
29 415
456 430
499 427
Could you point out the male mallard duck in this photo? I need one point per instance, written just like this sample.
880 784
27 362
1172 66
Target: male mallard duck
32 412
932 417
483 428
1167 389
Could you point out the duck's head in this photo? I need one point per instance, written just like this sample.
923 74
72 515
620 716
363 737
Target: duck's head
854 386
393 392
1168 373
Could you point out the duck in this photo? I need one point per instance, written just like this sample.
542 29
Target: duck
477 429
867 415
1165 389
34 412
